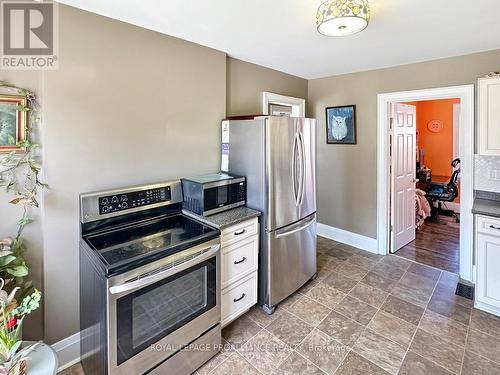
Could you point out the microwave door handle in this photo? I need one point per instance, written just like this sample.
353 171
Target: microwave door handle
151 279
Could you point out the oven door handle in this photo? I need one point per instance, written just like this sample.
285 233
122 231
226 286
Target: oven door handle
152 278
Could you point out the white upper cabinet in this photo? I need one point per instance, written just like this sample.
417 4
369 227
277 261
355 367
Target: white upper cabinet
489 116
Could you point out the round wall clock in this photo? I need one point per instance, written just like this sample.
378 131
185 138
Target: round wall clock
435 126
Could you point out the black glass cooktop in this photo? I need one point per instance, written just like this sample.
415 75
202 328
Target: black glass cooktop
152 238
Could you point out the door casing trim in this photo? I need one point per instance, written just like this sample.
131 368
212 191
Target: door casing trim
298 104
466 95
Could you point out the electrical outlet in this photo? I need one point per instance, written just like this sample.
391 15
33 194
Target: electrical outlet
493 174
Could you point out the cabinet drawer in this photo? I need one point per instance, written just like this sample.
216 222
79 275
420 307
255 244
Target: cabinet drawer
239 231
239 259
238 298
488 225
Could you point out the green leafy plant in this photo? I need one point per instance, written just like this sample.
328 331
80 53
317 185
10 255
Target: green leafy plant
20 177
11 353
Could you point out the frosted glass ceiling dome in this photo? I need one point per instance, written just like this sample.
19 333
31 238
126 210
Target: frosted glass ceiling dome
342 17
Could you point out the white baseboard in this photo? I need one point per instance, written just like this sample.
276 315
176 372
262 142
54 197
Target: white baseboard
348 238
488 308
68 351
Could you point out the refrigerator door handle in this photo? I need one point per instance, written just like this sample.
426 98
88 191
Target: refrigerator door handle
309 222
295 182
302 169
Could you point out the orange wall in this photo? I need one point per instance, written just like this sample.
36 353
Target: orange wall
438 147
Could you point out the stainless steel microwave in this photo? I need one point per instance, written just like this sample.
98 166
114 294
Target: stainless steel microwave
210 194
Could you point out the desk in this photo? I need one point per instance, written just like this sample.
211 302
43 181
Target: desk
440 179
435 179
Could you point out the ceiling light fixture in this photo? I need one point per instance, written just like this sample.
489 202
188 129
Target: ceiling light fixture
342 17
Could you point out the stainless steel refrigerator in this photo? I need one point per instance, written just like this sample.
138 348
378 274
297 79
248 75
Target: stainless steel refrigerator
278 157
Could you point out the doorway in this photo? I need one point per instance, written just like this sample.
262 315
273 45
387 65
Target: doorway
387 187
281 105
425 171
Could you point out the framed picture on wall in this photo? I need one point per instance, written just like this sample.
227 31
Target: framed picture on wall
12 122
341 125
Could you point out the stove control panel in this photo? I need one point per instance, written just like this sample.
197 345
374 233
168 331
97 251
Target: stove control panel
133 199
105 204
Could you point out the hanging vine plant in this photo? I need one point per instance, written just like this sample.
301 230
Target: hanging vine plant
20 178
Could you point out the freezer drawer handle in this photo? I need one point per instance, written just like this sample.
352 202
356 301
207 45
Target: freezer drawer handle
494 227
241 231
240 261
283 234
239 299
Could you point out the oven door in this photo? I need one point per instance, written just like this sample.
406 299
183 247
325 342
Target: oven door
157 309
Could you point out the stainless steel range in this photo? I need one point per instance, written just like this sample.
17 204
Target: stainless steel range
149 283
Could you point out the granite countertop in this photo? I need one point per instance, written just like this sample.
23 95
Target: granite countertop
486 203
226 218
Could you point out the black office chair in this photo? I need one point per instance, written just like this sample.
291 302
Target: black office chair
444 193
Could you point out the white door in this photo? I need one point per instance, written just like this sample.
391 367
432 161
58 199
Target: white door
403 169
456 132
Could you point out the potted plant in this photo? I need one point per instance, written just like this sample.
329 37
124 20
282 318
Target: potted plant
13 267
13 355
19 175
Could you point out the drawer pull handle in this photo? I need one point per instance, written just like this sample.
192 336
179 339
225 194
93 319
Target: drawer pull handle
239 299
237 233
240 261
494 227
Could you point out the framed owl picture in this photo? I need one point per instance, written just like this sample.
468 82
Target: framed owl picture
341 125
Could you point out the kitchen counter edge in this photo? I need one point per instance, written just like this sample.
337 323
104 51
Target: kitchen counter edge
227 218
487 204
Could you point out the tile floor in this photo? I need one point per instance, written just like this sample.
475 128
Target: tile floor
364 314
436 244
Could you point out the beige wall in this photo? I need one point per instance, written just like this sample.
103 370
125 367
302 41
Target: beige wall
127 106
347 174
246 82
130 106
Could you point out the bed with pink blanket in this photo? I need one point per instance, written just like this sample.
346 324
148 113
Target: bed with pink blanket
422 208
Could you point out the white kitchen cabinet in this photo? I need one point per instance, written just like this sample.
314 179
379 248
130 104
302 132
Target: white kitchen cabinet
489 116
488 264
238 260
239 266
238 298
